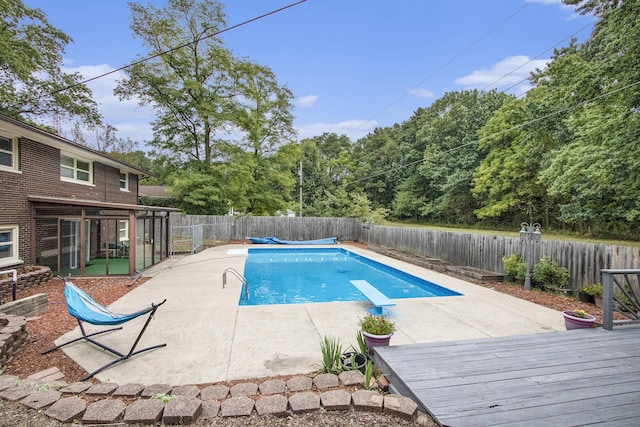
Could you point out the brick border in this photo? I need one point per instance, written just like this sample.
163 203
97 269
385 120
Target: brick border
104 403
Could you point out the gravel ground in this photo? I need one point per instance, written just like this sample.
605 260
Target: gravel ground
13 414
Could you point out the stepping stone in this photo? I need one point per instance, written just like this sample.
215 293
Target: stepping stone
41 399
334 400
144 411
186 390
182 410
325 381
154 389
76 388
367 400
244 389
239 406
21 390
351 378
299 383
270 387
129 390
67 409
7 381
104 389
305 401
51 374
210 409
272 405
400 406
104 411
214 392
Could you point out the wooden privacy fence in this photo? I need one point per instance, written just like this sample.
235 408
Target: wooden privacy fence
484 251
228 228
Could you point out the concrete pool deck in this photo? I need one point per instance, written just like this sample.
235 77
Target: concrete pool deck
211 339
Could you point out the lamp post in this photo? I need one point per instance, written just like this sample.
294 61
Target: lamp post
529 233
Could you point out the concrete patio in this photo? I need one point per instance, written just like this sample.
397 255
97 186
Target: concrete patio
210 338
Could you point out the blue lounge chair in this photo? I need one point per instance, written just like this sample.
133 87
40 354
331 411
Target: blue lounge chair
85 309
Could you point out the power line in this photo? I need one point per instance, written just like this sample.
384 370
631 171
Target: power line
505 75
148 58
521 125
445 65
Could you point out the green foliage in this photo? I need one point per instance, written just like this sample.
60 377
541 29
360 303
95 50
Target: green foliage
549 276
594 289
331 355
368 374
33 84
362 346
514 268
199 194
164 397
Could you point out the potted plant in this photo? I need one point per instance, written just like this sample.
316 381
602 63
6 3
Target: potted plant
578 319
595 291
377 331
356 358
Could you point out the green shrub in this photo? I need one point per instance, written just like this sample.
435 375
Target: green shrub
594 289
514 268
548 276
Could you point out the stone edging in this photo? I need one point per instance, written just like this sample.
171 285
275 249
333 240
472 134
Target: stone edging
13 334
104 403
39 275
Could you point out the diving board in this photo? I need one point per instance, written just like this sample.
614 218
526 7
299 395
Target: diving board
375 297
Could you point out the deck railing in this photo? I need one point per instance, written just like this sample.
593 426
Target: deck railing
620 294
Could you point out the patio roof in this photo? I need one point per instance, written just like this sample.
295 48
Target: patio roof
94 203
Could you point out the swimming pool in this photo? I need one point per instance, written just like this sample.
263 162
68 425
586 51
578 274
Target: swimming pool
305 275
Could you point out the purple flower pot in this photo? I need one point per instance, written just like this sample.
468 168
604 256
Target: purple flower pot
375 341
573 322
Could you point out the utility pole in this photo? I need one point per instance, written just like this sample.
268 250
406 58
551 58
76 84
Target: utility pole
300 188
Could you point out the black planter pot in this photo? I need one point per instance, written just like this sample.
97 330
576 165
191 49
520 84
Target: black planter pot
352 361
585 297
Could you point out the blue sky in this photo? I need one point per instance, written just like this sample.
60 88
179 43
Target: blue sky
352 65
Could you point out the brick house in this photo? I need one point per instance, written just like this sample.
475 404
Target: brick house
72 208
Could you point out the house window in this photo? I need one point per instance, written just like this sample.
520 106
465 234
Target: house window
124 181
8 245
8 153
75 169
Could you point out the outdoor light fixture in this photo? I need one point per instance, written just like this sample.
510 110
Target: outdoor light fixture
529 233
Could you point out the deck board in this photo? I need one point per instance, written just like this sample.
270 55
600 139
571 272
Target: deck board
588 376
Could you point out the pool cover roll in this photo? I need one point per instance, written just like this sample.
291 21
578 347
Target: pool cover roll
276 241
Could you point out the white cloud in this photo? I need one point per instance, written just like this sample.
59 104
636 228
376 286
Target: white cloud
510 74
354 129
422 93
131 120
306 101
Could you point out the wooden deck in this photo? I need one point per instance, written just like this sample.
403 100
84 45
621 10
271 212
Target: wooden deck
569 378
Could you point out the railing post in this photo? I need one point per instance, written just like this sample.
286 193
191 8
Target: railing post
607 300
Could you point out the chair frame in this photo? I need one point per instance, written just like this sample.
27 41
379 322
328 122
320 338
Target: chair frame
151 310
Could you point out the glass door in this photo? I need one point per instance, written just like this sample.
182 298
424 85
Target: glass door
70 246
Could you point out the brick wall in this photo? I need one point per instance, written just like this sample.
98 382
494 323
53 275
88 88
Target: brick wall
40 175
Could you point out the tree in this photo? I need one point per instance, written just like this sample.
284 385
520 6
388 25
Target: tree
187 80
215 113
594 175
32 83
450 135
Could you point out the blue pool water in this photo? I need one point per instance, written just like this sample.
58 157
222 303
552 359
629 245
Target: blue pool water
294 276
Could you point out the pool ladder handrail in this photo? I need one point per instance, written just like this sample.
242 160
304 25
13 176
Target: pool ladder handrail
245 284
